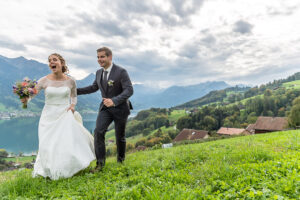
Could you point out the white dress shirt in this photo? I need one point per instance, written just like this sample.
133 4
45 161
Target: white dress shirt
108 71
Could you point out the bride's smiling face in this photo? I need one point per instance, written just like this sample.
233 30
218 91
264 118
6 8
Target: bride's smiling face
55 64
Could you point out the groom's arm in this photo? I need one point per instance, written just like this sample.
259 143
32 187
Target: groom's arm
127 89
89 89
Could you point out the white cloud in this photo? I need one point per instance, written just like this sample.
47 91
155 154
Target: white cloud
160 42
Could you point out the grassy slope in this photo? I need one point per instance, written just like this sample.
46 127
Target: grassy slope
292 85
251 167
176 114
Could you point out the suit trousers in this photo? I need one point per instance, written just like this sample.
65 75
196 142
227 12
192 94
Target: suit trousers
104 119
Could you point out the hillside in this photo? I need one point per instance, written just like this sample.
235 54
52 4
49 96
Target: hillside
227 95
236 94
252 167
234 107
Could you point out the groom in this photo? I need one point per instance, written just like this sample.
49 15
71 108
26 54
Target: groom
115 86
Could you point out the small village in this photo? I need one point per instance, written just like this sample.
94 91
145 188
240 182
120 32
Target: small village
5 115
262 125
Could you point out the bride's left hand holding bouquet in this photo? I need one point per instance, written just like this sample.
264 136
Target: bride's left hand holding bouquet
25 89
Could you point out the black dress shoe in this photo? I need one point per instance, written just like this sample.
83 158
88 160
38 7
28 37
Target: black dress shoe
98 168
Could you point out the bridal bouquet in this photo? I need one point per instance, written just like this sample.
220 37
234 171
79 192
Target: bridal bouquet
25 89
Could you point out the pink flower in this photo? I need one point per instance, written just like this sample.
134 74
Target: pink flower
30 90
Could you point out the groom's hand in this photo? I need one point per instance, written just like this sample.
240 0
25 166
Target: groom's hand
108 102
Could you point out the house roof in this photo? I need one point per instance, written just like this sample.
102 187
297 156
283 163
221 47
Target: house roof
230 131
250 128
271 123
190 134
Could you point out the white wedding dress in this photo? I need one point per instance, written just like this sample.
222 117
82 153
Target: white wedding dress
65 146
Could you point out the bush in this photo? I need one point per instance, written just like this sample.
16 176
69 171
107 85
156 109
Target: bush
141 142
129 146
172 133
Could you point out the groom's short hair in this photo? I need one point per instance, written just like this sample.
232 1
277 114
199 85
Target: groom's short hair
107 51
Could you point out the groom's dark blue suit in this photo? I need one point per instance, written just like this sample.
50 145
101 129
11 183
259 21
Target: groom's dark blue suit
118 89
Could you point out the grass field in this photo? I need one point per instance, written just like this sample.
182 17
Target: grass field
176 114
262 166
292 85
24 159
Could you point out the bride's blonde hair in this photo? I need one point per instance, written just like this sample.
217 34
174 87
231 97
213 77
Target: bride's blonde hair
63 62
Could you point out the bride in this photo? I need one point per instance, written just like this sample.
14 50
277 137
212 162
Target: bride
65 146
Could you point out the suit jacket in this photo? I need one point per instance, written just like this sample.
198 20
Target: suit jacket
119 89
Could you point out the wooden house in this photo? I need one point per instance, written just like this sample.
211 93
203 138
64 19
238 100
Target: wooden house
191 134
270 124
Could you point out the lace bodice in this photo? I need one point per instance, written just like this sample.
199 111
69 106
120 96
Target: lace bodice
58 92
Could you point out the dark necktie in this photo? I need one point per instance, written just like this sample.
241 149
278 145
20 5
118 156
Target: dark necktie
104 81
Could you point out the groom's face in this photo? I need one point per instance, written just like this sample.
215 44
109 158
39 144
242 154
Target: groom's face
104 60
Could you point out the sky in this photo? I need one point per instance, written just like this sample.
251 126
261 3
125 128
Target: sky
160 42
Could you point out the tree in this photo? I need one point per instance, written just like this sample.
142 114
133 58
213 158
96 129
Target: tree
228 122
251 118
158 133
142 115
173 133
184 122
281 112
166 139
232 98
167 123
267 93
294 116
3 153
146 131
210 123
270 113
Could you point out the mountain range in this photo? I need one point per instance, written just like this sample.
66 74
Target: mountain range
13 69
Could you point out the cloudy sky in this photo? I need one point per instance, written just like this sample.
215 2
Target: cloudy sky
160 42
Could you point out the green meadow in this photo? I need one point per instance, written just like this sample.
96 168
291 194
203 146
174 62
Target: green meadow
262 166
24 159
292 85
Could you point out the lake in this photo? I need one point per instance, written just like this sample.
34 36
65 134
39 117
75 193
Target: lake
21 134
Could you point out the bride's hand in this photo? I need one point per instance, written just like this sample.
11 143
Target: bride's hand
24 100
72 108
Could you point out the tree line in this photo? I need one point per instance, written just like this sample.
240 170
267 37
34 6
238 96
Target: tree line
273 103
